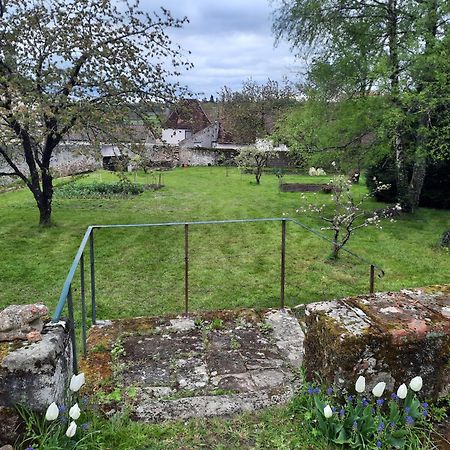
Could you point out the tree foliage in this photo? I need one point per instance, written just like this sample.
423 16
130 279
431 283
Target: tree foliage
394 49
76 64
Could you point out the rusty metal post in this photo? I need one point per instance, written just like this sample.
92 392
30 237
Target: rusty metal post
186 269
283 262
92 260
372 278
83 305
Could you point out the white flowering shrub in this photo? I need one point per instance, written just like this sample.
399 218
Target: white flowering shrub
347 213
313 172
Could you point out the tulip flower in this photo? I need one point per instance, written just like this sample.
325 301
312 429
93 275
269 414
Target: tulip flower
379 388
71 430
52 412
327 412
360 385
402 391
416 384
76 382
74 412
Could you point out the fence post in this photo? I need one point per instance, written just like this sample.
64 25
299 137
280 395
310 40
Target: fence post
186 269
283 262
83 305
372 278
92 258
72 330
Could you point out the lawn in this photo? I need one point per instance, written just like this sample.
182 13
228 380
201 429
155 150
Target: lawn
140 271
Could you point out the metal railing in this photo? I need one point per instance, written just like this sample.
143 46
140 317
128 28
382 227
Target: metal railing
66 297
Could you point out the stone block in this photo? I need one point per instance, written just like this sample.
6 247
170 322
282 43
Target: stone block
389 337
36 374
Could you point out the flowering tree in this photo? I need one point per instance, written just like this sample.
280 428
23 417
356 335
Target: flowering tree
76 64
255 158
347 214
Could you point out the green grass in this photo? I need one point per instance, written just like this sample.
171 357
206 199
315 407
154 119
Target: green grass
140 271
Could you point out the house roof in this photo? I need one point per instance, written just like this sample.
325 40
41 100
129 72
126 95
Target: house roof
188 115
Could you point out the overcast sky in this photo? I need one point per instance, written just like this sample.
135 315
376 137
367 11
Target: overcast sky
230 41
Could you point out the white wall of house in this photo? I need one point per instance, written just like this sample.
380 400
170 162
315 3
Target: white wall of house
173 136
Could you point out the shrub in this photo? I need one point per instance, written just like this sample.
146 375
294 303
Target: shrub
436 187
99 190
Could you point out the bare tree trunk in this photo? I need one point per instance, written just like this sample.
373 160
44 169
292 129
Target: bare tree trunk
45 200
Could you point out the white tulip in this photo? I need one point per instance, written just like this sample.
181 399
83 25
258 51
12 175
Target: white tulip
360 385
74 412
71 430
402 391
416 384
52 412
76 382
379 388
327 412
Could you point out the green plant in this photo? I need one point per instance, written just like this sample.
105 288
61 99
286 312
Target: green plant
216 324
121 188
367 420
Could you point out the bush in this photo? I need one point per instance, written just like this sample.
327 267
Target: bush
99 190
436 187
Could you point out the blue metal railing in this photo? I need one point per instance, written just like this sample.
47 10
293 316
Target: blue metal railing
66 294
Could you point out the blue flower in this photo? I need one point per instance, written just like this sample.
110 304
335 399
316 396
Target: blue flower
310 390
62 409
410 420
380 402
355 425
29 448
350 398
85 400
425 413
394 396
392 424
424 405
379 444
342 412
380 427
316 390
329 390
365 402
86 425
407 409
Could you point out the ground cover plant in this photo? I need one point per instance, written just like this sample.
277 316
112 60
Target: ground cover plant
230 265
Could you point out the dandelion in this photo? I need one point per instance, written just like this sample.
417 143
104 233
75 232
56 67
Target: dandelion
52 412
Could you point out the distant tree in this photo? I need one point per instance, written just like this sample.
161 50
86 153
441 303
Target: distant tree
255 159
211 99
251 113
76 64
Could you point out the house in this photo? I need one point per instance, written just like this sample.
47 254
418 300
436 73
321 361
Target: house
188 126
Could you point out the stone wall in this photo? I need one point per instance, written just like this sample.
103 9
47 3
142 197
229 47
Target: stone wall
390 337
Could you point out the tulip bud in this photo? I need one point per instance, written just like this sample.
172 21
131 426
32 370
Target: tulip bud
71 430
74 412
379 388
52 412
416 384
327 412
402 391
76 382
360 385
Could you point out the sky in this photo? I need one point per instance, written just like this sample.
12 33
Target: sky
231 41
